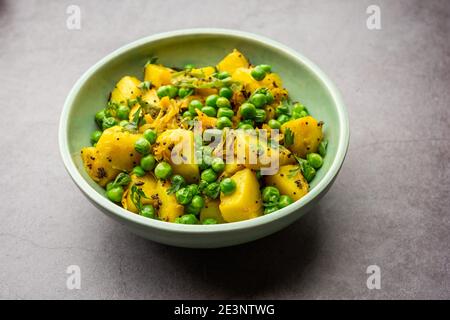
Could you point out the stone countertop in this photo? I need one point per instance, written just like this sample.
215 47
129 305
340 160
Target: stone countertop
389 206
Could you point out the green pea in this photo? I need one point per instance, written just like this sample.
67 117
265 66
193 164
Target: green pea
226 92
124 123
227 186
198 202
211 100
323 148
187 219
209 175
285 200
184 196
297 107
110 185
99 116
218 165
190 209
109 122
148 162
223 103
258 73
224 122
148 211
150 135
269 97
167 91
163 170
142 146
212 190
178 180
283 118
205 163
259 100
299 114
138 171
245 126
308 172
274 124
115 194
123 112
185 92
193 105
209 221
209 111
225 112
95 136
248 110
187 114
193 188
202 186
260 116
271 209
282 109
223 75
266 67
270 194
189 66
315 160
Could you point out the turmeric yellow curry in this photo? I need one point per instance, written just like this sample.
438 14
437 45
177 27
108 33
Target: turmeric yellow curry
152 157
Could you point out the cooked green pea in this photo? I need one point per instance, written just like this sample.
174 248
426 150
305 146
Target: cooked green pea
163 170
193 105
212 190
282 109
323 148
223 103
259 100
184 196
269 97
190 209
224 122
270 194
115 194
124 123
226 92
99 116
187 219
209 175
218 165
185 92
245 126
209 221
109 122
283 118
266 67
209 111
211 100
95 136
227 186
285 200
123 112
142 146
260 116
258 73
110 185
148 211
138 171
205 163
225 112
270 209
178 180
197 202
167 91
223 75
148 162
150 135
187 114
193 188
315 160
248 110
274 124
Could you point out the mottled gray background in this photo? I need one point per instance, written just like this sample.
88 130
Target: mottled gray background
389 206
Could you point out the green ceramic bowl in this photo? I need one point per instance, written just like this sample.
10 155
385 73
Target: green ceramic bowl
304 80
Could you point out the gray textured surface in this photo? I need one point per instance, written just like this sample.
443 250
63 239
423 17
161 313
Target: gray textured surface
390 205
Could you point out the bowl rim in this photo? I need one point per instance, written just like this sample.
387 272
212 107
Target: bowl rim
118 211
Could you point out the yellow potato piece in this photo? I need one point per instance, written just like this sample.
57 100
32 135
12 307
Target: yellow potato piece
148 185
211 210
177 147
126 89
307 135
233 61
245 202
169 208
97 166
158 75
289 181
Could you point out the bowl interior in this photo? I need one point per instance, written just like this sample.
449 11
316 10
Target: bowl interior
298 77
